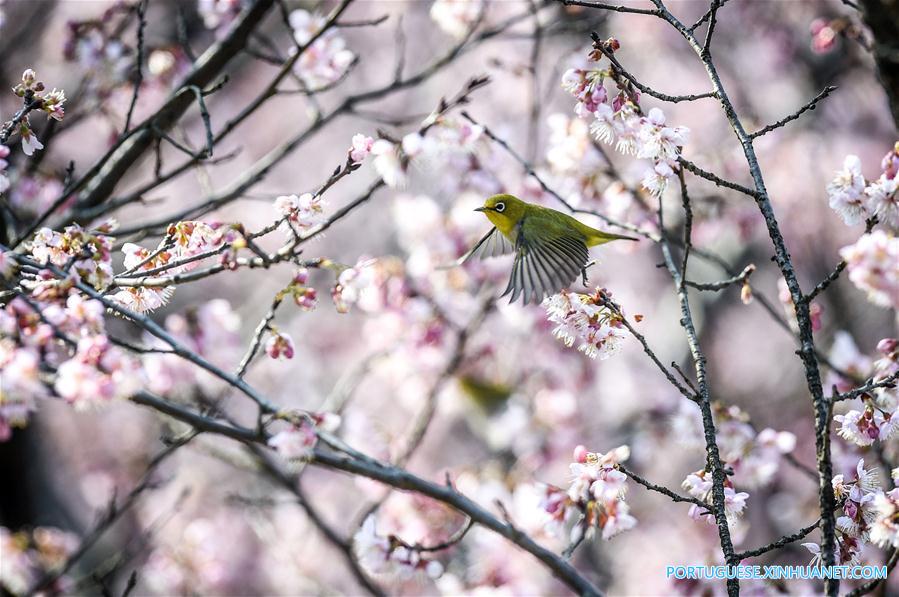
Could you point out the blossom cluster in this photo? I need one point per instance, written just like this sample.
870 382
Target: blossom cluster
97 47
85 254
389 556
856 199
180 251
873 260
699 485
456 17
579 171
874 420
884 530
4 179
279 345
585 318
755 456
873 266
595 497
304 211
36 98
619 120
297 441
451 146
218 14
860 518
210 330
29 556
305 297
93 373
357 284
327 58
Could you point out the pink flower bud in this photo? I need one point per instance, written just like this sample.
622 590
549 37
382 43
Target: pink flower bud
306 299
887 346
824 38
580 454
279 346
301 276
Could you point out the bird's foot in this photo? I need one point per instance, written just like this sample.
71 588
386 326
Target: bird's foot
584 271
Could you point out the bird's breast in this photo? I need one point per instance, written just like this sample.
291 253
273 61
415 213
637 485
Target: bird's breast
504 225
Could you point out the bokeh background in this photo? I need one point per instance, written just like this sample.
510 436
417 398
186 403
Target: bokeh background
213 524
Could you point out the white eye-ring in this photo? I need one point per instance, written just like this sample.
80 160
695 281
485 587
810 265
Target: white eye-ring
500 207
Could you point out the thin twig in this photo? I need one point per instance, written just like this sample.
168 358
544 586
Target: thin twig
139 61
113 512
740 278
675 497
786 540
783 121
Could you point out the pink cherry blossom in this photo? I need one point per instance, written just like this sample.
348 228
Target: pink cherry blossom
456 17
873 265
846 192
361 147
328 57
579 317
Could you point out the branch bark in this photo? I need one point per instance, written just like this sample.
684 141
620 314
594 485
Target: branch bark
882 18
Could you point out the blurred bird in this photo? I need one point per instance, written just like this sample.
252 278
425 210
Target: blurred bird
550 247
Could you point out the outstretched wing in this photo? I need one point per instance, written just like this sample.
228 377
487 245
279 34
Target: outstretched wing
493 244
548 258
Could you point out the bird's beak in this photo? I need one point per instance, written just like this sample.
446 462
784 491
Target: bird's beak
480 209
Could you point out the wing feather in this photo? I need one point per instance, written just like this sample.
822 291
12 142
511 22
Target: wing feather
493 244
544 272
547 260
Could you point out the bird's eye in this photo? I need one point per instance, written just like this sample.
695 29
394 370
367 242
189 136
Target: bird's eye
500 207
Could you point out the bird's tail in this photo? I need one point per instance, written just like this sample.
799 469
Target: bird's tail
599 238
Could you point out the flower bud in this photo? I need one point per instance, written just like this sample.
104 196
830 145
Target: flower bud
580 454
887 346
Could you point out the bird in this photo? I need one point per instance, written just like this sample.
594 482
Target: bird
550 247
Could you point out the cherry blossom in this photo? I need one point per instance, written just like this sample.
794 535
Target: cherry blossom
30 142
847 192
327 59
29 556
97 374
217 14
659 142
595 496
4 179
386 556
456 17
360 148
582 318
865 427
884 531
297 441
873 265
306 210
699 485
388 163
356 285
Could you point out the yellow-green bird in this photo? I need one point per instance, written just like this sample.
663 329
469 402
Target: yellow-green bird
550 247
